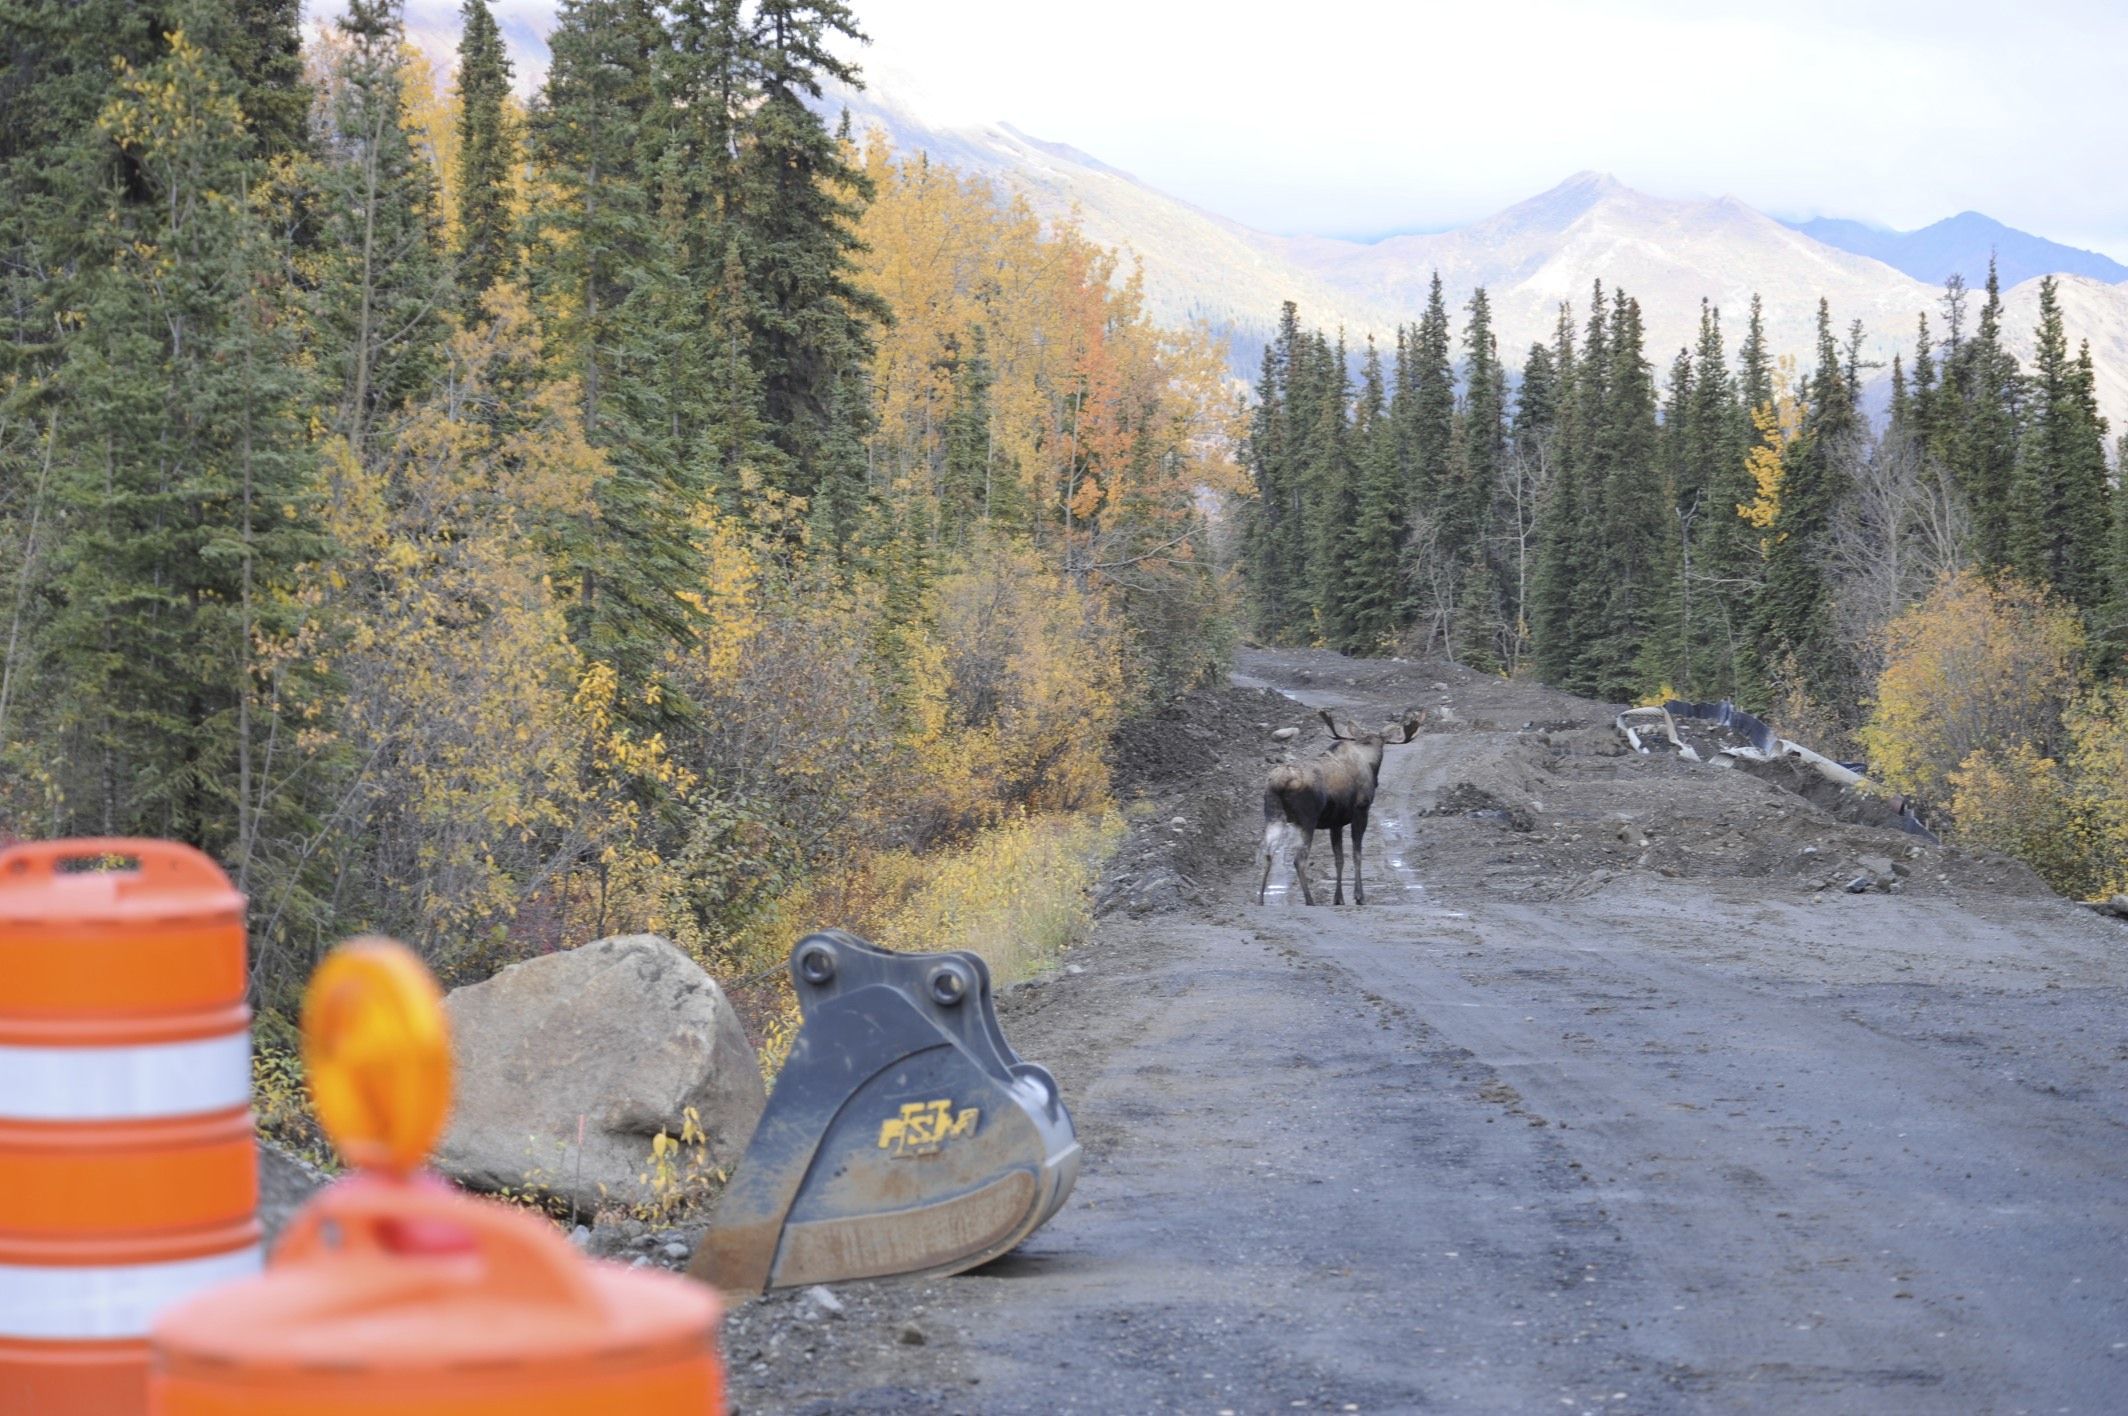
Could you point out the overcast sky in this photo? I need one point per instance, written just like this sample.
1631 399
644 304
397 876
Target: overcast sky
1362 117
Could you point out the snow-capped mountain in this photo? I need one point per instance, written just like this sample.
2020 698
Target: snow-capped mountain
1963 243
1667 253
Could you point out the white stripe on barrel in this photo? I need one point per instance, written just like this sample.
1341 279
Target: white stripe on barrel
188 1078
113 1301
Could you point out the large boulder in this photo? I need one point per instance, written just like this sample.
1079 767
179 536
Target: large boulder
611 1042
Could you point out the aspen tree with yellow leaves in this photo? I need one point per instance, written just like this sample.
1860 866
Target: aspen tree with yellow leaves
1774 425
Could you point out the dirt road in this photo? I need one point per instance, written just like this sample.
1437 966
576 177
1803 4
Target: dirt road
1611 1099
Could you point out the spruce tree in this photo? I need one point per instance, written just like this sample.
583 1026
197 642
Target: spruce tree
1484 425
799 199
1726 564
1332 495
593 136
1717 423
965 468
264 51
1557 585
1477 472
1433 403
1372 547
626 308
712 80
1525 481
1630 644
1429 410
383 290
1795 629
1676 436
1403 416
1754 364
1475 642
1982 448
1273 529
1681 464
2113 624
487 150
1536 401
1589 463
187 493
2058 516
1716 555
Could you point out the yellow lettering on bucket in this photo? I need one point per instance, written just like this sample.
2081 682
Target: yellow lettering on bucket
924 1127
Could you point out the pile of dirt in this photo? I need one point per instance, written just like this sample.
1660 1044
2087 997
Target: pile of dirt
1466 799
1187 775
1837 801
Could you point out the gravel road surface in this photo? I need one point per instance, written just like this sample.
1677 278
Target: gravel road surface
1611 1099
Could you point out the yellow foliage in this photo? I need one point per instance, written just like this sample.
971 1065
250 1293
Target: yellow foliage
1034 686
280 1101
429 112
680 1176
2098 760
726 603
1017 895
1976 665
467 706
1093 407
2016 801
1777 424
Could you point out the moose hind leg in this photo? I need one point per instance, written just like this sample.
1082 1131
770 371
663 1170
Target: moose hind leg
1337 857
1270 855
1300 863
1359 830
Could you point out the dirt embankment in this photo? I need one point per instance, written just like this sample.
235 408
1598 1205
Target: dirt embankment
1190 778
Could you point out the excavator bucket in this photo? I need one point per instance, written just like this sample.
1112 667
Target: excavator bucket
904 1136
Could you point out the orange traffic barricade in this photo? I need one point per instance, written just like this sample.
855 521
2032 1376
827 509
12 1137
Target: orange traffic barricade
391 1294
128 1177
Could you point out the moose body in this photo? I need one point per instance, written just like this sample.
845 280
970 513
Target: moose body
1333 792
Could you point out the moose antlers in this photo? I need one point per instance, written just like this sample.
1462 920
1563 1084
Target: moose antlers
1350 734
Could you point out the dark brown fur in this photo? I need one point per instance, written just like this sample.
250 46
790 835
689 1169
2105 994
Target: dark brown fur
1333 792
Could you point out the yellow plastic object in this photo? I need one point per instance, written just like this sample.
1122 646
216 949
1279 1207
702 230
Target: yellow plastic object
377 1049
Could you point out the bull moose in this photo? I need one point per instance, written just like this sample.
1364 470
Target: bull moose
1333 791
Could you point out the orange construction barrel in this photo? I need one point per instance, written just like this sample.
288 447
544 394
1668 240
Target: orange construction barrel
391 1293
128 1178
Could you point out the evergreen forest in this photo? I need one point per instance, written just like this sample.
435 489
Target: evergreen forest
501 523
1941 590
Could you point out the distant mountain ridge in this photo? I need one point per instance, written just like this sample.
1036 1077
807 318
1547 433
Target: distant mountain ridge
1668 253
1962 244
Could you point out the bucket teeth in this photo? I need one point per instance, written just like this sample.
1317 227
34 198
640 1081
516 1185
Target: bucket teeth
904 1136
